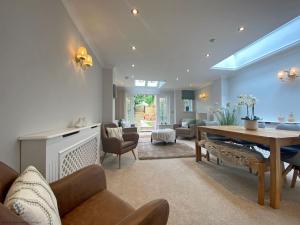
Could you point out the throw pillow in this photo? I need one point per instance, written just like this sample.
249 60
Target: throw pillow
185 124
31 198
115 132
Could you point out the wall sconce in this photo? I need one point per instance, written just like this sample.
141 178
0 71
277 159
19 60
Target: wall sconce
291 74
83 58
203 96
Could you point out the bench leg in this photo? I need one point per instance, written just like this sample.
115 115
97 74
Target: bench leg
295 175
261 184
207 156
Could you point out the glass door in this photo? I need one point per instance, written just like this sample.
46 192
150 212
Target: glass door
163 112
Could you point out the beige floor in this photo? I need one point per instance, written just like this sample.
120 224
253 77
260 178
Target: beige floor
199 193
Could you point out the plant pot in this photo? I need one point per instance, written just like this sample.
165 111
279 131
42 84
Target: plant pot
251 124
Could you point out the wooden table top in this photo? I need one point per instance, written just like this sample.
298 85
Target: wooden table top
261 132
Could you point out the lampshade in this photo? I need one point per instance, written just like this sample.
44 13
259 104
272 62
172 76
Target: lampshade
81 53
281 74
294 71
88 61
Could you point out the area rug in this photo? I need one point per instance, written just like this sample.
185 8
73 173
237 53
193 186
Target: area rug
164 151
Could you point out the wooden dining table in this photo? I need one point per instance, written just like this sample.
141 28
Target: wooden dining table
271 137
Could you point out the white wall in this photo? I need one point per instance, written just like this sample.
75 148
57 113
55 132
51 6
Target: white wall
120 101
217 93
40 86
108 112
260 80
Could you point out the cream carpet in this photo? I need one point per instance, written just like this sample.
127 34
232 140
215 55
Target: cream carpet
199 193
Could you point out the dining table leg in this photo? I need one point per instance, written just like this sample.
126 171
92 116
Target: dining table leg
276 174
197 146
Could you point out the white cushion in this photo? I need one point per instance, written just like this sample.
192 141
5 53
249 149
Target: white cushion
116 132
185 124
31 198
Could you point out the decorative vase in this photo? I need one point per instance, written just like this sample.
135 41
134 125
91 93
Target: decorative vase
251 124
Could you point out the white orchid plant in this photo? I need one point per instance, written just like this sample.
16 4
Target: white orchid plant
249 101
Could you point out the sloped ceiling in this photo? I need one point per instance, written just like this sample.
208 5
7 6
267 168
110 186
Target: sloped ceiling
173 35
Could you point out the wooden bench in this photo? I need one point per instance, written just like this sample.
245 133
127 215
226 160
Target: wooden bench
240 156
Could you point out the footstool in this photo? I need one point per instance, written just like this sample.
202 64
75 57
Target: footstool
165 135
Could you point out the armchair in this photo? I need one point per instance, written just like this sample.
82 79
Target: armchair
83 199
114 145
186 132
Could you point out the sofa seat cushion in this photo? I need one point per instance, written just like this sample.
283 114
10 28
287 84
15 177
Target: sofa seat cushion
127 144
103 208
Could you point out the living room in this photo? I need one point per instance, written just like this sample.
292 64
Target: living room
149 112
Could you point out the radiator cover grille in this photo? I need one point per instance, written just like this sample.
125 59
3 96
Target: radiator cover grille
79 156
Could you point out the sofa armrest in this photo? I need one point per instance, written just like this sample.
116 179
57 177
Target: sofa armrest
153 213
7 217
131 137
176 126
76 188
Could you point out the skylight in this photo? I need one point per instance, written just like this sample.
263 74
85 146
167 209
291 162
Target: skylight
282 38
140 83
152 84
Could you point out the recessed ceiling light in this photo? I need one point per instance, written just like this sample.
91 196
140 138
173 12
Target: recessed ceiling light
134 12
207 55
241 29
177 78
132 65
187 70
133 48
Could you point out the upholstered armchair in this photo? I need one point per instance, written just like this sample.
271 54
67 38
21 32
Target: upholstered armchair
114 145
83 199
185 132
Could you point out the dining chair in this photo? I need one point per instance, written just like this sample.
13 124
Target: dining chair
291 154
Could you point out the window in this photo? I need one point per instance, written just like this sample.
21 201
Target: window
164 110
187 105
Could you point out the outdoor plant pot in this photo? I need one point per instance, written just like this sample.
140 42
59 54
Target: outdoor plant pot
251 124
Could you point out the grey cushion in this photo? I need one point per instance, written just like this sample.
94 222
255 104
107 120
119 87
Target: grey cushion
292 127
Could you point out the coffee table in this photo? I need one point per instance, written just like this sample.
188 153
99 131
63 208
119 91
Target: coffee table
164 135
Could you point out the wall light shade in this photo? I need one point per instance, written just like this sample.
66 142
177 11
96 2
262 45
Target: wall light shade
290 74
294 71
83 59
88 61
81 53
203 96
281 74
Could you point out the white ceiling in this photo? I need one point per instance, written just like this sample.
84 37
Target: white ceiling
173 35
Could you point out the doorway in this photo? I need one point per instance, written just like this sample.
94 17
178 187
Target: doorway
145 112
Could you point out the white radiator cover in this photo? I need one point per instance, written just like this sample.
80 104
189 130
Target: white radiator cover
59 153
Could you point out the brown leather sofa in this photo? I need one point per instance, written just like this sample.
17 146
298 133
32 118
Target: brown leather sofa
114 145
83 199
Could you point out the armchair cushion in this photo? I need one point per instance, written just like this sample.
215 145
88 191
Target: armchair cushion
103 208
116 132
76 188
